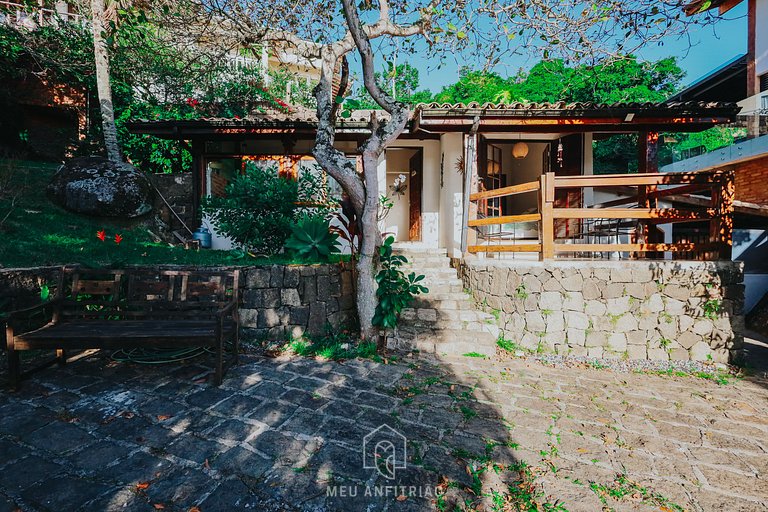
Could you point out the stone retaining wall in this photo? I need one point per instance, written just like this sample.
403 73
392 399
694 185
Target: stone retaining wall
633 309
277 301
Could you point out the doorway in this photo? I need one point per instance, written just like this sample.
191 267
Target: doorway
404 187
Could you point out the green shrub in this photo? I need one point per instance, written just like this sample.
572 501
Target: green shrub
396 289
257 211
312 240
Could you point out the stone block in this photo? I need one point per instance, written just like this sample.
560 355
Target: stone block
573 282
618 305
513 283
291 277
674 307
685 322
612 290
621 275
577 351
309 288
554 338
574 319
703 326
658 354
638 337
596 352
595 308
427 315
591 290
270 298
617 342
626 323
602 274
576 337
499 282
257 278
668 327
252 298
299 315
678 292
532 284
642 275
529 341
290 297
552 285
555 322
654 304
551 300
678 354
323 287
269 318
637 352
596 339
276 276
534 322
249 317
317 318
647 321
700 351
573 301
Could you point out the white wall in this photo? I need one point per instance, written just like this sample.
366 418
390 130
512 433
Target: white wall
451 194
430 194
397 222
522 170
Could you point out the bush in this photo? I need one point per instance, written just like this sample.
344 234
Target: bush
396 289
258 210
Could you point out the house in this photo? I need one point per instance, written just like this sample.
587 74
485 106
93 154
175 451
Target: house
501 201
742 79
471 170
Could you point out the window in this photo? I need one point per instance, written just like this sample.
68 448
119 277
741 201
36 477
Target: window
763 83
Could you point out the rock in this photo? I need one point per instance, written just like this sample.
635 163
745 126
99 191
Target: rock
617 342
96 186
700 351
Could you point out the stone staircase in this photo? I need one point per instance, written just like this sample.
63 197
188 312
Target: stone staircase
444 321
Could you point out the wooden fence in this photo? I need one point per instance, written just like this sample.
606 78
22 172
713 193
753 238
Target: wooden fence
632 219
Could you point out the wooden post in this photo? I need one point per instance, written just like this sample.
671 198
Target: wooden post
721 226
469 237
198 177
546 208
647 162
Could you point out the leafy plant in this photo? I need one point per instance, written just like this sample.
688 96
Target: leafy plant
396 289
711 308
347 225
312 240
257 211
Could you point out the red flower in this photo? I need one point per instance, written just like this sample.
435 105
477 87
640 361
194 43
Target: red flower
192 102
101 235
118 239
237 117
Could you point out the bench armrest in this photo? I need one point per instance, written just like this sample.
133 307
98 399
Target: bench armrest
26 312
226 310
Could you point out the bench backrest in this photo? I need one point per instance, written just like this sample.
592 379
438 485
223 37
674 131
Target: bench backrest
139 293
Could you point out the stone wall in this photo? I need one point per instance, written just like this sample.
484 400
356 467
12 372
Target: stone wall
277 301
633 309
177 190
283 301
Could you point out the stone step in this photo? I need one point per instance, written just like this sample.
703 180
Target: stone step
446 342
455 287
428 265
425 302
418 251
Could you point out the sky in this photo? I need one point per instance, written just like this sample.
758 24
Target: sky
704 50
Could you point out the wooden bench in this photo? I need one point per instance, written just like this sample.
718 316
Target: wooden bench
122 309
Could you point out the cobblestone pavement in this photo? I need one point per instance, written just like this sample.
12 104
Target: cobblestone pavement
287 434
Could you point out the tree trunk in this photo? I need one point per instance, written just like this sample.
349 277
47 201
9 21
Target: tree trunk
103 88
368 262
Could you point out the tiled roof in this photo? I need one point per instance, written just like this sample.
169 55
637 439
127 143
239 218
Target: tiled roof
562 106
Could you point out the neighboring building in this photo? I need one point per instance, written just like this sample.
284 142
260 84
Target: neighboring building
743 79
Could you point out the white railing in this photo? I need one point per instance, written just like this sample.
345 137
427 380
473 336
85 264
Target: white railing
31 17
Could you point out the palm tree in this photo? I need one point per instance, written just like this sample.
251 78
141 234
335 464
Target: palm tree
103 88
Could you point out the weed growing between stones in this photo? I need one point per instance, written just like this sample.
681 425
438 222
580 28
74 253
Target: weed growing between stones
474 354
333 345
623 489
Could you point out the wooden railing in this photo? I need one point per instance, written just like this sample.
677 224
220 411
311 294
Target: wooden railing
628 224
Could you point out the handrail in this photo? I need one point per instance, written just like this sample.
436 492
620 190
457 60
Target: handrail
505 191
624 225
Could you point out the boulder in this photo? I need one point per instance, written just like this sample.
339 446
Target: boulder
99 187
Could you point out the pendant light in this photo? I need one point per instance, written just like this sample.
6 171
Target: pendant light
520 149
